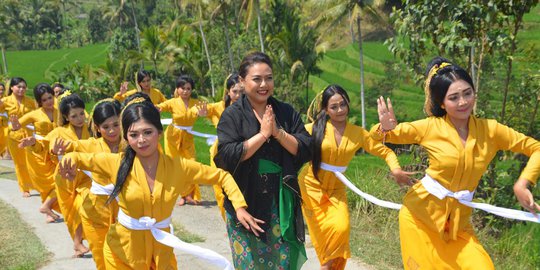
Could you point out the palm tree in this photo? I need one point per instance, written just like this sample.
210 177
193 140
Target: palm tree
223 8
254 6
334 12
200 5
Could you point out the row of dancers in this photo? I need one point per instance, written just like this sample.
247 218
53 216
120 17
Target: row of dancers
116 187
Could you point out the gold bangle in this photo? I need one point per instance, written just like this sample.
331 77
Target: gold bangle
265 138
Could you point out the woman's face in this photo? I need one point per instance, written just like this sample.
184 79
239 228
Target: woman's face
57 91
47 101
19 90
235 92
337 108
184 91
110 129
459 100
258 83
143 138
2 89
76 117
146 83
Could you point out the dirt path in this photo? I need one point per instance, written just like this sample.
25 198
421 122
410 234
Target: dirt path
202 220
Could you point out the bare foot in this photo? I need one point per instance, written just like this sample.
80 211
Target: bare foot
49 213
26 194
181 202
49 219
80 250
190 200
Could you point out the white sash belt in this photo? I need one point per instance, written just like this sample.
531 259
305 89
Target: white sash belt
148 223
465 197
338 171
101 189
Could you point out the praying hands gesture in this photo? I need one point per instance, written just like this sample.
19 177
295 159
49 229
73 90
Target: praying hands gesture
387 118
67 169
268 124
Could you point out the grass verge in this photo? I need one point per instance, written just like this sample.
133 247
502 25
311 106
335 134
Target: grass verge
185 235
20 248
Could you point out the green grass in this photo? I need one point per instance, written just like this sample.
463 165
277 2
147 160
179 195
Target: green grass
37 66
8 173
185 235
20 248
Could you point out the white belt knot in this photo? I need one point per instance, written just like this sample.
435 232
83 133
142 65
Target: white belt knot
147 222
439 191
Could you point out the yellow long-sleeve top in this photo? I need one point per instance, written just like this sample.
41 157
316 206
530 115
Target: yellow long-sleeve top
457 167
214 111
177 141
13 107
354 138
181 115
94 206
139 249
40 168
155 95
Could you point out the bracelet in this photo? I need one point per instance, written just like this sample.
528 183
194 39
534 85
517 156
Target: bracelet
265 138
282 134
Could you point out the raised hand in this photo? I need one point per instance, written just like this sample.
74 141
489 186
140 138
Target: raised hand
67 169
28 141
387 118
248 221
202 108
59 146
15 124
124 88
268 122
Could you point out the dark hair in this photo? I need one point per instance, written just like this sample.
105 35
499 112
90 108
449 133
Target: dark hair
101 112
441 81
2 84
40 90
131 114
143 74
232 80
319 126
66 104
183 79
15 81
58 85
252 59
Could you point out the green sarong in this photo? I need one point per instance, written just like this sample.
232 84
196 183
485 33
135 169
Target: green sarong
286 215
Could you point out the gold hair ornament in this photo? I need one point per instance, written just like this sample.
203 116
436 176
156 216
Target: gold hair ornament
314 108
428 105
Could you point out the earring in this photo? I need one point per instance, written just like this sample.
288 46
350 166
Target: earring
442 107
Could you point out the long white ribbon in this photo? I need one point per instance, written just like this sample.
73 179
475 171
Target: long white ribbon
338 171
465 197
210 138
148 223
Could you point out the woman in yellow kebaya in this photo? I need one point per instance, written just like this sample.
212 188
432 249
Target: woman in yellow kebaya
144 84
96 215
147 184
177 141
325 206
435 230
16 104
4 130
72 127
233 91
39 166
